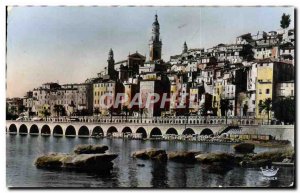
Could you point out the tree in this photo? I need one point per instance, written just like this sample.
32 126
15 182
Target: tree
245 109
59 110
267 106
126 110
285 21
284 109
110 110
225 106
203 110
96 111
45 112
141 112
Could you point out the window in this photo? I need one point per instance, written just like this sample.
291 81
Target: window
267 91
260 91
253 102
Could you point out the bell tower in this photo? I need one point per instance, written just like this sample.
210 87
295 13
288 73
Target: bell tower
185 48
111 64
155 43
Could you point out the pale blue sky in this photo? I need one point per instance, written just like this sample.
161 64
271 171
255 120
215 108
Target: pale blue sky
70 44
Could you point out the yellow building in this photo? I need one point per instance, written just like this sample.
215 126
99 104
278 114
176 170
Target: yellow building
194 100
173 95
264 87
99 89
217 96
269 74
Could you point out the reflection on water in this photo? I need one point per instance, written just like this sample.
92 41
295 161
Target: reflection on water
127 172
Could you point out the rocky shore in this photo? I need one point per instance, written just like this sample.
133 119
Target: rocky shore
221 162
90 158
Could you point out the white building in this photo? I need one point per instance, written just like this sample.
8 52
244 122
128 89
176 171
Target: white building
285 89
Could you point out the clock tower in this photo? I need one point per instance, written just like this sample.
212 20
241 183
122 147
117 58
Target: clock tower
155 43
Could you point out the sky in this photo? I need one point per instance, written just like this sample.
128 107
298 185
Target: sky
71 44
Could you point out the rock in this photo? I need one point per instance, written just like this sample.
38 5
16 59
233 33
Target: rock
244 148
255 164
90 162
210 158
275 156
154 154
90 149
287 160
161 157
142 154
82 162
182 156
52 161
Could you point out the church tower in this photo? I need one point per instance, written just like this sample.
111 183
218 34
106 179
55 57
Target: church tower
185 48
111 65
155 43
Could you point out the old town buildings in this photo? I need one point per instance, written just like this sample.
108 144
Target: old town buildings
227 79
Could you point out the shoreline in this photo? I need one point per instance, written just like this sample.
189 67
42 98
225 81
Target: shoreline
271 144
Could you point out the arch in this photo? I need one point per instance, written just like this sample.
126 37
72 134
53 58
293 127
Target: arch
206 131
97 131
126 130
34 129
155 131
83 131
143 131
23 129
58 131
172 131
70 131
45 130
111 130
188 131
12 128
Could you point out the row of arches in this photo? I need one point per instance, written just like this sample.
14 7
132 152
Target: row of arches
187 131
96 131
57 130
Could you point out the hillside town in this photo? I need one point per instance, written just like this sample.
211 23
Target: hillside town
252 77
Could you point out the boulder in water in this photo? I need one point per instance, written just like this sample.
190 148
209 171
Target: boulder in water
182 156
51 161
83 162
256 163
209 158
276 155
244 148
84 158
90 149
154 154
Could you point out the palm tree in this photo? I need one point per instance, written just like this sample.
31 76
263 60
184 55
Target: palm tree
110 110
126 110
96 111
56 109
267 106
225 106
45 112
285 21
141 113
